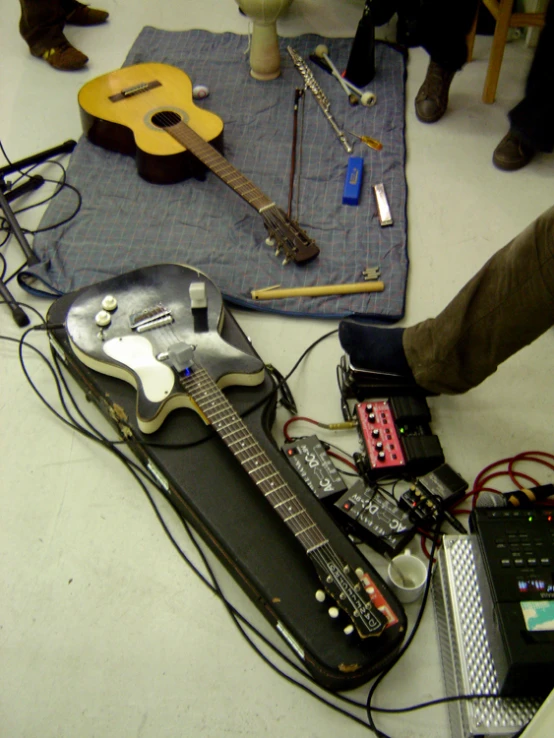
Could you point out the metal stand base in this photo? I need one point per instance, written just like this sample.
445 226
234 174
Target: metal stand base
18 313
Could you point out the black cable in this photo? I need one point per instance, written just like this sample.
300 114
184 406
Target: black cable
307 351
133 469
237 617
408 641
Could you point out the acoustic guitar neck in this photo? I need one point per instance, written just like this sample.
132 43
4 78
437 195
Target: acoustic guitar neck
211 158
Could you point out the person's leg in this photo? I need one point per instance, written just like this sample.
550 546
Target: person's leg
532 120
41 26
78 14
444 27
504 307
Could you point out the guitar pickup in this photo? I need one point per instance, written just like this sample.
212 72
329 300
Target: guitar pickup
151 318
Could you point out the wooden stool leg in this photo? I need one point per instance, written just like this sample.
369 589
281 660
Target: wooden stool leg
471 35
497 50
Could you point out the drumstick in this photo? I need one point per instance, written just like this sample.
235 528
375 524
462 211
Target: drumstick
274 293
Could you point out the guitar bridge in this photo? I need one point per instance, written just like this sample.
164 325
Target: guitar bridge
147 320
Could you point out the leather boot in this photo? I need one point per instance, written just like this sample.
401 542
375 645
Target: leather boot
512 153
432 99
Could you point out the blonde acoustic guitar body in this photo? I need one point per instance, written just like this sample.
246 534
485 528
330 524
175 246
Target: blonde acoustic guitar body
147 111
129 109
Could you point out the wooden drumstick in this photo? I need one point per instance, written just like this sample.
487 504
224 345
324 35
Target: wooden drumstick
275 293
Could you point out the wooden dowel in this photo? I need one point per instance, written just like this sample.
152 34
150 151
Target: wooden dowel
318 290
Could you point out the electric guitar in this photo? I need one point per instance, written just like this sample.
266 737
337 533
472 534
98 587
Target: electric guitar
158 328
146 111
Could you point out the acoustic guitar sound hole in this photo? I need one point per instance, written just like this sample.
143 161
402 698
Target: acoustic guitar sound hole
165 119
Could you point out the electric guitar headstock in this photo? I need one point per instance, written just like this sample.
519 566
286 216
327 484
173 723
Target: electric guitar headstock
354 593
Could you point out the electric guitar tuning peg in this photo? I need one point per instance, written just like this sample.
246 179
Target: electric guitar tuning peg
333 612
270 241
348 630
320 595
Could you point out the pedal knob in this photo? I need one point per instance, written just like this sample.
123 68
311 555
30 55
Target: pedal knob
103 319
320 595
109 303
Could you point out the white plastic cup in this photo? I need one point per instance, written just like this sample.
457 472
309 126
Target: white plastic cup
415 573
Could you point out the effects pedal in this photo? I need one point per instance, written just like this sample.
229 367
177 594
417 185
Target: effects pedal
374 518
432 494
308 457
396 438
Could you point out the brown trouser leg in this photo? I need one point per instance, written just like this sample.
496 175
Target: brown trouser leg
42 23
504 307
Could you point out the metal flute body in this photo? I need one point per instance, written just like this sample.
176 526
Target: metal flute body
322 99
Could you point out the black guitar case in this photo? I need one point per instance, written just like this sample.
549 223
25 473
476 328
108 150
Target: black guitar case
209 488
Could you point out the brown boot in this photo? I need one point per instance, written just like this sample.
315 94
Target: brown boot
83 15
64 57
432 99
512 153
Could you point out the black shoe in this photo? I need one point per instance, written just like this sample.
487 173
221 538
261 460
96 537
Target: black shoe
432 99
512 153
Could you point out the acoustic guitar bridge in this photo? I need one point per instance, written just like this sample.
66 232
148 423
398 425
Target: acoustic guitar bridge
135 90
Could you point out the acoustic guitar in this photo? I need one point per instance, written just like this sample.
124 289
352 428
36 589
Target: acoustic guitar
147 111
158 328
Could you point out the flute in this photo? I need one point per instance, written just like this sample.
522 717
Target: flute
322 99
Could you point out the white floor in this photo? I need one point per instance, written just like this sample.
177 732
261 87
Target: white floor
103 629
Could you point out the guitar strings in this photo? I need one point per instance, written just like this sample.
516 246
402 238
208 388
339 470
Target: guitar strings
322 550
172 123
236 616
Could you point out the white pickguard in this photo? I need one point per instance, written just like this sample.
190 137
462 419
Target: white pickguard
136 352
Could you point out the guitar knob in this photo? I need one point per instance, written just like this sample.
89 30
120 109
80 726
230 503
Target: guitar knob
109 303
320 595
102 319
333 612
348 630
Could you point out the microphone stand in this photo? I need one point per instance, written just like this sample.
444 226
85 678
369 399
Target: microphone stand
33 183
